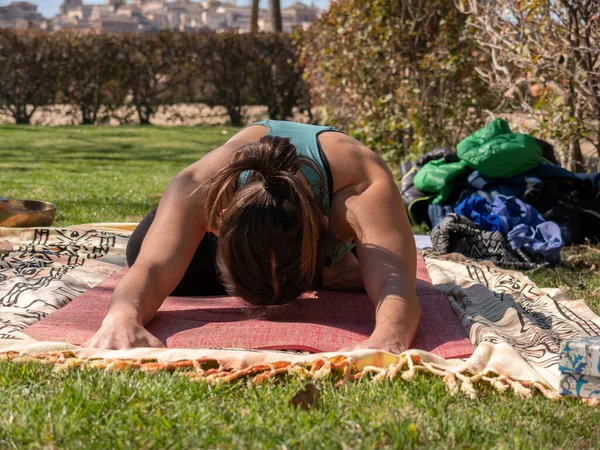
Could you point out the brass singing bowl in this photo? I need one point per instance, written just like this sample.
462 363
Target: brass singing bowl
26 213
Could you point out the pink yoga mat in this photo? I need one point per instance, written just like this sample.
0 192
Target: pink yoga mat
318 322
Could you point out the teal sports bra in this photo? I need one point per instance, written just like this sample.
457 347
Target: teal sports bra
305 138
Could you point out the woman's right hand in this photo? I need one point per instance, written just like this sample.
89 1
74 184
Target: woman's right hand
122 332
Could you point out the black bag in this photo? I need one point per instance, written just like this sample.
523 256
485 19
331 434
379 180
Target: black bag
576 212
457 234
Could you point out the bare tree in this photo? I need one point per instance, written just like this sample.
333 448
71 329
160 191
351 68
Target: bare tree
545 57
254 17
275 7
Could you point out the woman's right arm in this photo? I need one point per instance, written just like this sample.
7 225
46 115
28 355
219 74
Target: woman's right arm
166 252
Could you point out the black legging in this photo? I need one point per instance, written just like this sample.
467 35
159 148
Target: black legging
201 277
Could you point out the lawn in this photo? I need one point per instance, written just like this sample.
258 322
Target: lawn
99 173
118 174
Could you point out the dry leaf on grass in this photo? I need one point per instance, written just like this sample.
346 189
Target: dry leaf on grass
307 397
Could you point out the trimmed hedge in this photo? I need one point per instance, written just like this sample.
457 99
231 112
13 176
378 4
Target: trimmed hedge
96 74
29 72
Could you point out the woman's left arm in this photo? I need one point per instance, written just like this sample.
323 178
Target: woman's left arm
387 255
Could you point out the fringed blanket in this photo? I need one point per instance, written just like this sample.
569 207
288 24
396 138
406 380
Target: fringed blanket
516 326
43 269
522 323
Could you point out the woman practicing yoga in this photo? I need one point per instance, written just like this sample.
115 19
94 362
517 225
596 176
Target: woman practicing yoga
280 209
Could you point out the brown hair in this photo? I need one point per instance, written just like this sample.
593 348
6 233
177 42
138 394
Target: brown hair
270 238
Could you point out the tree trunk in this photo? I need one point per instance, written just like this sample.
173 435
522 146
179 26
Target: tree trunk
254 17
21 116
274 112
85 117
23 119
235 114
575 156
275 7
597 144
144 114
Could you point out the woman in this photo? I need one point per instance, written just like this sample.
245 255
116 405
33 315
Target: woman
295 207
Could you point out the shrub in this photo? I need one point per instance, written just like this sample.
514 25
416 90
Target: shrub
398 74
98 73
155 67
29 71
234 70
90 72
277 76
221 70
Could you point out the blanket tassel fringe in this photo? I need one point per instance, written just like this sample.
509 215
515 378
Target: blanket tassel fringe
340 366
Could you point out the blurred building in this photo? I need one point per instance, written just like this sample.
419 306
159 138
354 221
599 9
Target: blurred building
21 15
118 16
297 14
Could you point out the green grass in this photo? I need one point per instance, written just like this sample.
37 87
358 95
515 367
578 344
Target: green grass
99 173
118 174
94 409
578 276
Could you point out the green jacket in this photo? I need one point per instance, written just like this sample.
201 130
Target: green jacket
497 152
438 177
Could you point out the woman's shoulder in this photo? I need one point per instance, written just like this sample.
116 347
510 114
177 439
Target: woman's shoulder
250 133
351 162
221 156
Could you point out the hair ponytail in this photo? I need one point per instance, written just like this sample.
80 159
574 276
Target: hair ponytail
269 249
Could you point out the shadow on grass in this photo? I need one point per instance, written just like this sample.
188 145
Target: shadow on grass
100 155
102 210
121 144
